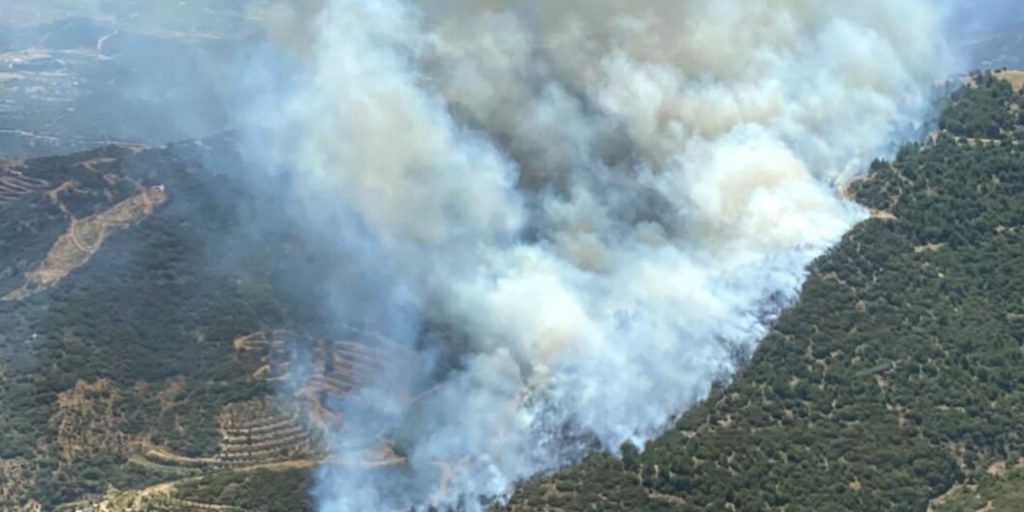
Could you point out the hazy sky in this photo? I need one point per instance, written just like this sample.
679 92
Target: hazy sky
168 17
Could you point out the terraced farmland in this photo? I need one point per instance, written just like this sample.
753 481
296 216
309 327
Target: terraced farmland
263 432
170 504
266 431
334 370
290 428
275 434
14 184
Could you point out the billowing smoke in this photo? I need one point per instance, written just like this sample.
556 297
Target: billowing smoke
597 203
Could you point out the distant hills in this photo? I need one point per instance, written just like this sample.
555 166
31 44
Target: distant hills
78 83
988 32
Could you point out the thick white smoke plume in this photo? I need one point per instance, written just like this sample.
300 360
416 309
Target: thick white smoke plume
606 199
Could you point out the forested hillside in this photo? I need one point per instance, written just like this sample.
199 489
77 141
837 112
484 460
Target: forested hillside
900 373
133 347
896 383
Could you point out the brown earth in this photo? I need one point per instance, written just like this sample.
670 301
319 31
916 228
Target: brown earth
86 423
84 237
14 483
1014 76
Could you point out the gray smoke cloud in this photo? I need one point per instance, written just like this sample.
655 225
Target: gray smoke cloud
602 202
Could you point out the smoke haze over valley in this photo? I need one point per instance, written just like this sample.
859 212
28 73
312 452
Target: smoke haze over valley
575 217
602 205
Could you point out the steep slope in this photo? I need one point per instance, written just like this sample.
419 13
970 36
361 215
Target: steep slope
898 375
125 283
145 332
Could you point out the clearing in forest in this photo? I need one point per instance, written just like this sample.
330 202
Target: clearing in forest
84 237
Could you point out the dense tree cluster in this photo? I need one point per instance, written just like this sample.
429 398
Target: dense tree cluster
256 491
1002 489
986 109
155 310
